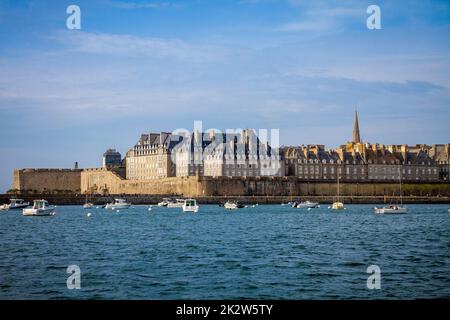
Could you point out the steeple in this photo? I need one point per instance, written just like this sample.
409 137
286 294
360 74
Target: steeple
356 136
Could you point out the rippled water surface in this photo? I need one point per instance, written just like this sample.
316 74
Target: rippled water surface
270 251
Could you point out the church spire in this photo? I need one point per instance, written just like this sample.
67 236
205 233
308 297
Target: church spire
356 136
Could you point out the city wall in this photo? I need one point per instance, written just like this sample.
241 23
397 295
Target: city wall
47 180
104 182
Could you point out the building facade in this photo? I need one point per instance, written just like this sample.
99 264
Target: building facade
359 161
151 157
243 154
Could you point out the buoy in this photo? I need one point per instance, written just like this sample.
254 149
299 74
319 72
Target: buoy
149 209
329 207
118 210
89 214
253 206
309 209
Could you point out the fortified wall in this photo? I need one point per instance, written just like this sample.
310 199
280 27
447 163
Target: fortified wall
103 182
47 180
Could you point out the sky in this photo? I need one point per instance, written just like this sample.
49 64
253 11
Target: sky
134 67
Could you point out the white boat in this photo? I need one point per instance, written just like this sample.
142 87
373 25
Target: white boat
337 205
4 207
307 205
190 205
393 208
18 204
40 208
178 203
118 204
171 203
231 205
163 203
88 205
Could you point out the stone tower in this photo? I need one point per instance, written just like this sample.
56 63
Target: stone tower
356 136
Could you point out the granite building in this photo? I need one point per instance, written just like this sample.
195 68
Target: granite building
359 161
241 154
151 157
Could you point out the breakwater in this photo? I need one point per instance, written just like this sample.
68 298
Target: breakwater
78 199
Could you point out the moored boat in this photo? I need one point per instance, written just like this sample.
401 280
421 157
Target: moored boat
40 208
171 203
391 209
88 205
163 203
394 208
118 204
190 205
4 207
307 205
177 203
18 204
337 206
231 205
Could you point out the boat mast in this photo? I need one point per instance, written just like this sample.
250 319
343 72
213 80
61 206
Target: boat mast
338 186
400 178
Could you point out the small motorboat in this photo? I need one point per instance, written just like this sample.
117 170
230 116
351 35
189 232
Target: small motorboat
337 206
391 209
4 207
171 203
231 205
177 203
307 205
163 203
190 205
40 208
118 204
88 205
18 204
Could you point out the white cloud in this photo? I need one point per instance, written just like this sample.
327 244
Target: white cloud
310 25
140 5
325 17
135 46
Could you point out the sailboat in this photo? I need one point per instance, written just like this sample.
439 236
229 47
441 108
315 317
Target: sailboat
87 204
337 205
393 208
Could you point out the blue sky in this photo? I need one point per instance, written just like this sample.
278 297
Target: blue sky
141 66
